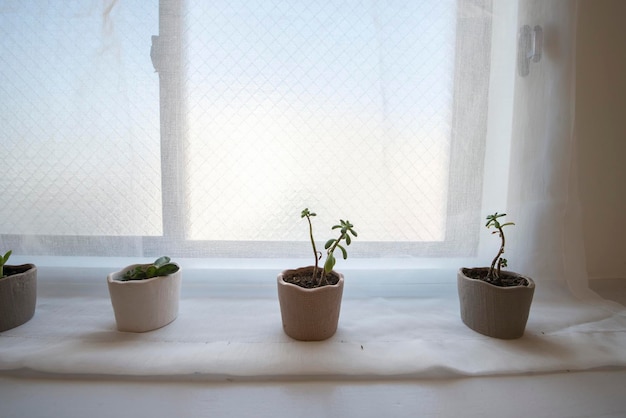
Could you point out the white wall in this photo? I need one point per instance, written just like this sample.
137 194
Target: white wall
601 133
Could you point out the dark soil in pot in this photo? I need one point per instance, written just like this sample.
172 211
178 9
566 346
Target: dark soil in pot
11 270
306 280
506 279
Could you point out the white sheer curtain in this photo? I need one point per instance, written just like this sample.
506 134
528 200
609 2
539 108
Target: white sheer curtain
542 187
372 112
509 147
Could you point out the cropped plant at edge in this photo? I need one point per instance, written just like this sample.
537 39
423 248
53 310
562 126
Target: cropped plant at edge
493 275
345 230
160 267
3 261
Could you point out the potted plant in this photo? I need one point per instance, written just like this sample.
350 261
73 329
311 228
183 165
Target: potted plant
18 293
145 296
310 297
495 302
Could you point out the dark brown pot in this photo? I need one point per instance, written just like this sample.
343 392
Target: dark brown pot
499 312
18 295
309 314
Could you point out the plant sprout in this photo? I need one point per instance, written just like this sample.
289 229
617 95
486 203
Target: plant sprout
345 230
3 261
493 275
318 255
160 267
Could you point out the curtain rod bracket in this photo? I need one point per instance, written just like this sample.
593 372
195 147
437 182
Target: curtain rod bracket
529 48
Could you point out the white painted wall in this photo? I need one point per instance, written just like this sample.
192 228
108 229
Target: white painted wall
601 133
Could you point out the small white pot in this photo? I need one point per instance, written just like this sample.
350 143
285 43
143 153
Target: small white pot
144 305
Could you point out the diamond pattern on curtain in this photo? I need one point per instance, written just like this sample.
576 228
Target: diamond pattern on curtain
342 107
79 142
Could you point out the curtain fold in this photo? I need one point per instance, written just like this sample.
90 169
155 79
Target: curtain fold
542 193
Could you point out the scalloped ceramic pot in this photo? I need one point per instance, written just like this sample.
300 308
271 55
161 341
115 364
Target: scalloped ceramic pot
144 305
18 295
499 312
309 314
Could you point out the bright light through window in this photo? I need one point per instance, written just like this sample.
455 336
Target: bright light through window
343 107
202 129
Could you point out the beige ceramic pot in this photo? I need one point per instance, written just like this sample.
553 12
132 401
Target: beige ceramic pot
500 312
18 295
309 314
144 305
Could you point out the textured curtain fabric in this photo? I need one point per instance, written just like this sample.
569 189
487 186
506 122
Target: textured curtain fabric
505 142
542 187
241 115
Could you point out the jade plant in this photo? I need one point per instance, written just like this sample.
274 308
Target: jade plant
345 232
161 267
3 261
493 275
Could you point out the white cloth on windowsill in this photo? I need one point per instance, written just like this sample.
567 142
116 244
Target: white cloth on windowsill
73 332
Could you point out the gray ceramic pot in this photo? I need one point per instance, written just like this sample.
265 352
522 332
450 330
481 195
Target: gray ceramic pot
18 295
309 314
500 312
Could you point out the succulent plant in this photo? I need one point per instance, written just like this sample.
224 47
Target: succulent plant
498 262
161 267
345 232
3 261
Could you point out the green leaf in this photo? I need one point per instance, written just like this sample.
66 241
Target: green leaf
329 264
161 261
329 243
6 257
151 271
343 251
348 239
167 269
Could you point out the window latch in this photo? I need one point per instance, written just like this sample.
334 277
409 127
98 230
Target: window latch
529 48
155 53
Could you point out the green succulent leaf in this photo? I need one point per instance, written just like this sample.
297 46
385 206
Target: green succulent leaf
169 268
343 252
306 213
160 267
161 261
330 263
5 258
151 271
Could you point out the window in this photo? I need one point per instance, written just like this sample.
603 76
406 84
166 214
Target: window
372 112
80 121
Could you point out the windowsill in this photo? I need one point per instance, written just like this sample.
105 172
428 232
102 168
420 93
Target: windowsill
229 328
585 394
